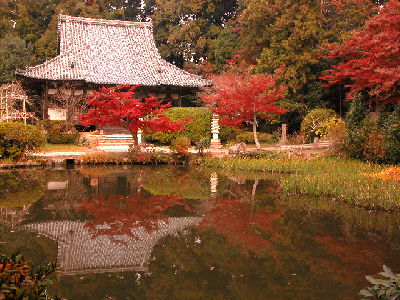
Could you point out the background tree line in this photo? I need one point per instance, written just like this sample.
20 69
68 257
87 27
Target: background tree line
201 35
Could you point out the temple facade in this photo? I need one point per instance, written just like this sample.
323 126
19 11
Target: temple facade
94 53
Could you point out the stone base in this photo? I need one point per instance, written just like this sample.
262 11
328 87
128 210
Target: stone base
216 144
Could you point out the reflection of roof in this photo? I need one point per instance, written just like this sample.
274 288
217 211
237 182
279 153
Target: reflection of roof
110 52
80 253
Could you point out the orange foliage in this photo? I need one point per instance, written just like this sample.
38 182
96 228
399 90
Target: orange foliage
391 173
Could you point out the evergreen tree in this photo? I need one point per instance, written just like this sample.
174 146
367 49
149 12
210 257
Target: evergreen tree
6 17
14 54
184 29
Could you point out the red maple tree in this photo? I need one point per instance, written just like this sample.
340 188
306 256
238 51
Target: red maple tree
371 57
242 98
117 106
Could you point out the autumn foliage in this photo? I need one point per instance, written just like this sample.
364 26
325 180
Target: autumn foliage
391 173
118 106
242 98
371 58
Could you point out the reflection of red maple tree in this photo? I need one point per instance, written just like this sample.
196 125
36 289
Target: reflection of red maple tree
236 221
117 215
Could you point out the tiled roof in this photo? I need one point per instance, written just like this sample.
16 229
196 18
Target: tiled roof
110 52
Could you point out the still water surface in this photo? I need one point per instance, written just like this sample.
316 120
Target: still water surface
185 233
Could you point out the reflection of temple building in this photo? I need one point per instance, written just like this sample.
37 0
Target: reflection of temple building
81 253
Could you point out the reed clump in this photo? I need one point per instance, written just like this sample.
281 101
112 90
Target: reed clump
340 179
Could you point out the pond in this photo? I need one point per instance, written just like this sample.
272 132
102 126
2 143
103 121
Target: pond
166 232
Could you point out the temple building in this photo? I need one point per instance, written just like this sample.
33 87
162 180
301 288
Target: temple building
97 52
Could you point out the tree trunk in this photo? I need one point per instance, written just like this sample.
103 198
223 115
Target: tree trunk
136 146
255 132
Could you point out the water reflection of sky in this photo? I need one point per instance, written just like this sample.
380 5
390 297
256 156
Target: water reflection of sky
192 234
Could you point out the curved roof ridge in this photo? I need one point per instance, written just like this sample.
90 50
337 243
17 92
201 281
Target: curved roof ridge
120 52
107 22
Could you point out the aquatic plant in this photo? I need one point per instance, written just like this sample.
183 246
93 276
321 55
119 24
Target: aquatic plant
383 289
340 179
18 280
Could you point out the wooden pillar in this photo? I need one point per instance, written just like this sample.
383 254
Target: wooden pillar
45 102
139 134
284 134
215 141
7 116
24 108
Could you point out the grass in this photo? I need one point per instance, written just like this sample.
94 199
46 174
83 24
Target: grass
100 157
342 180
6 161
63 148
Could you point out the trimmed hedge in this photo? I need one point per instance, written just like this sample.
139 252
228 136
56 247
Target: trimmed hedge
199 127
17 138
59 132
248 137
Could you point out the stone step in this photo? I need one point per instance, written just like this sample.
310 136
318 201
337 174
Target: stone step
112 138
113 144
115 130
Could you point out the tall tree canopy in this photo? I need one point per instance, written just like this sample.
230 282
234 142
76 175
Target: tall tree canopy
14 54
184 29
290 33
201 35
372 57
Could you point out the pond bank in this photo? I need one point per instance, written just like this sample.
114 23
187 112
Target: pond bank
339 179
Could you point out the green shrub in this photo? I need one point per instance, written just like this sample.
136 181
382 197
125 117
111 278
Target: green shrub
228 134
59 132
374 147
197 128
373 136
180 145
356 128
393 136
314 120
248 137
336 133
17 138
203 143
